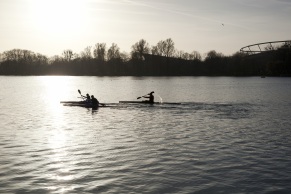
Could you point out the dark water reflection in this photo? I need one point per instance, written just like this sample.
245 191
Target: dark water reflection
229 135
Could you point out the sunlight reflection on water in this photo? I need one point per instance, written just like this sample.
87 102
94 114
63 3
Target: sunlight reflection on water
212 142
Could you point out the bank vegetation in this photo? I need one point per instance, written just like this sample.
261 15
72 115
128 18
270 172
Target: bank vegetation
162 59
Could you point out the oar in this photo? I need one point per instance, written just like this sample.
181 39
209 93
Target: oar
81 94
141 96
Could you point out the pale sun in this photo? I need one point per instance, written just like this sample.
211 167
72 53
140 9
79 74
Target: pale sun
57 17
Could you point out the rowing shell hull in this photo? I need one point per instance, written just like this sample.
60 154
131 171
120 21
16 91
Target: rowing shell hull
81 105
147 102
73 102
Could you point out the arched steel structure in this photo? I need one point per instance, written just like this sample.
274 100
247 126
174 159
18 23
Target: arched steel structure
266 46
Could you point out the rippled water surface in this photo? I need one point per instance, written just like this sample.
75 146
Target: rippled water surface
228 135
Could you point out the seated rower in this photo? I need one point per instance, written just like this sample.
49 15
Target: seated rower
150 97
94 101
87 97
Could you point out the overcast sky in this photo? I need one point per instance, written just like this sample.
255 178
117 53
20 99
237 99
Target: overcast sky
51 26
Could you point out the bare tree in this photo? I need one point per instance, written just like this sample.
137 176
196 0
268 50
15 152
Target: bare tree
195 55
22 56
68 55
213 54
27 56
139 49
86 54
164 48
169 47
159 49
99 51
179 54
113 52
41 59
155 50
13 55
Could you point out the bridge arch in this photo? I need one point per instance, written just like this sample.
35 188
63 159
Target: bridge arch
266 47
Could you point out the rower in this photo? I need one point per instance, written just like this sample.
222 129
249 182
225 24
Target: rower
150 97
87 97
95 102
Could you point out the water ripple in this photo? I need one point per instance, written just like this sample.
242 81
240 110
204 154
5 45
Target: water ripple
239 146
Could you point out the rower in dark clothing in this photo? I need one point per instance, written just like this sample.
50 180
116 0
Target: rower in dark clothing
94 101
150 97
87 97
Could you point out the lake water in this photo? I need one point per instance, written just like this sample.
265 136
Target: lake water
229 135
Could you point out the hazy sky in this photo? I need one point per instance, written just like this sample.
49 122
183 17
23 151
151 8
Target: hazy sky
51 26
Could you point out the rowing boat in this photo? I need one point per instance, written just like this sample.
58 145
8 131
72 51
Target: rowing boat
73 102
147 102
83 104
138 102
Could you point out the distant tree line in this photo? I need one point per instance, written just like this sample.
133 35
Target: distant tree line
162 59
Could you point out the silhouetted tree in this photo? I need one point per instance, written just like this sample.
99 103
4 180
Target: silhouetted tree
164 60
113 52
24 57
169 47
41 59
213 55
22 62
139 49
99 51
86 54
195 55
179 54
68 55
187 56
14 55
164 48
